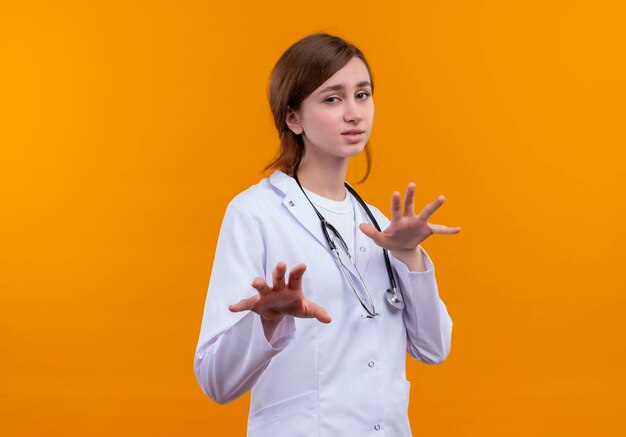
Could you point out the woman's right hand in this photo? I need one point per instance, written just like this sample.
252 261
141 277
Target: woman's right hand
272 303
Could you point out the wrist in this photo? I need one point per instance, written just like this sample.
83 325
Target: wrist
403 254
269 326
412 258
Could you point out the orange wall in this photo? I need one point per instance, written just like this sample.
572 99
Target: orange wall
126 127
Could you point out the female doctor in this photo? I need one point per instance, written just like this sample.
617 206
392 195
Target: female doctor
309 304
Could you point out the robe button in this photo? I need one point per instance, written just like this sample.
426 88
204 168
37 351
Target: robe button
362 249
371 364
377 427
291 203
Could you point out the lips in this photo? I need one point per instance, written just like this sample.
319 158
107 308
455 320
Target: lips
353 136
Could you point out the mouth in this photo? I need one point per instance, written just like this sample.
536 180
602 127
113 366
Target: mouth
353 135
352 132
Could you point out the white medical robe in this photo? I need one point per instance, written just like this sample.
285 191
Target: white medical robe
346 378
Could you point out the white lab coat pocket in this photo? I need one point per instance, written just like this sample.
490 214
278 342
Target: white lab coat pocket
295 416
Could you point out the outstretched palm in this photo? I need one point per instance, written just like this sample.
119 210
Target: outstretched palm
272 303
407 230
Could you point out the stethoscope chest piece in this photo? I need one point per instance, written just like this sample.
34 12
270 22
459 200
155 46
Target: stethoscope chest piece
394 298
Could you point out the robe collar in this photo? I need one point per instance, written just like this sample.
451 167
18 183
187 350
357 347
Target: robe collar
298 205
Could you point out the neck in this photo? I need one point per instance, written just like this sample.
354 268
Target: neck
324 177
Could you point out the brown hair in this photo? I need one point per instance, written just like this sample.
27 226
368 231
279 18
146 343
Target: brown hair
305 66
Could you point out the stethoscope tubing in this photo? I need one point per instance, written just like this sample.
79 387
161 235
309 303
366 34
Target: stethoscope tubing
392 280
392 295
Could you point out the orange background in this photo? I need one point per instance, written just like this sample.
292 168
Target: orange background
127 126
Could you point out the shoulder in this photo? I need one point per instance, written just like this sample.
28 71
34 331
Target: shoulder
253 200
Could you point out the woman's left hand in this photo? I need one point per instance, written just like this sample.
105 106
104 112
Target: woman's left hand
407 230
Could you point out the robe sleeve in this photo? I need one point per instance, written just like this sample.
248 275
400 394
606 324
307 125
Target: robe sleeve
428 324
232 350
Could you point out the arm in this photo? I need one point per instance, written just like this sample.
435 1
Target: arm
232 364
238 341
428 324
233 350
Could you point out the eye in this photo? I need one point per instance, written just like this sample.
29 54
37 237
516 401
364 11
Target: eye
364 94
333 97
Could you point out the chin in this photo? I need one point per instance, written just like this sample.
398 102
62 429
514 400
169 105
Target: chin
356 149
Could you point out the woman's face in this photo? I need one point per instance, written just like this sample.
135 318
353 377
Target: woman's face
336 119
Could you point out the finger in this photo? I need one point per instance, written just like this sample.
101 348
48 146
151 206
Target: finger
244 304
396 209
408 200
442 229
429 209
313 310
295 277
278 276
260 285
370 231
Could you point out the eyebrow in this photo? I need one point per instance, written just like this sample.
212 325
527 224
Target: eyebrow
340 87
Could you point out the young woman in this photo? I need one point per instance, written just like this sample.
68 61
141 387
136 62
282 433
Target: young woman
323 347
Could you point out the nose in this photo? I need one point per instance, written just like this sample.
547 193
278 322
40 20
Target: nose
352 112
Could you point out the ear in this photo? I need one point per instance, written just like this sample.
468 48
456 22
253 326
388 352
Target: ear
293 121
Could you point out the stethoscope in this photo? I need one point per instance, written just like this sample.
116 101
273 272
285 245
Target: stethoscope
393 297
